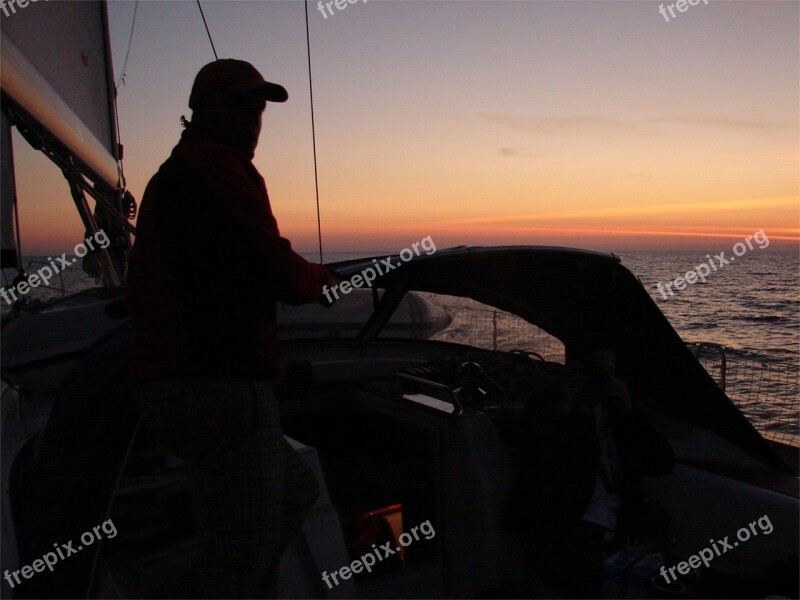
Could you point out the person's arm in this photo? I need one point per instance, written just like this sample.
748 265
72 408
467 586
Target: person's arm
289 277
292 279
645 450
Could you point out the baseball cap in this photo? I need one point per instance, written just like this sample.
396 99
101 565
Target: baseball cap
237 76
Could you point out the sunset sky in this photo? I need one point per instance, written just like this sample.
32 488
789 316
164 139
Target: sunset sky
590 124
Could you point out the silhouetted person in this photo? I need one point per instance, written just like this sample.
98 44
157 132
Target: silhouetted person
206 272
584 451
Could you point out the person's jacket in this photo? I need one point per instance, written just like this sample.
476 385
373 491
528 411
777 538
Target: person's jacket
208 267
560 463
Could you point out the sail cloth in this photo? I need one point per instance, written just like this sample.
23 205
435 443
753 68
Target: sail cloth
56 65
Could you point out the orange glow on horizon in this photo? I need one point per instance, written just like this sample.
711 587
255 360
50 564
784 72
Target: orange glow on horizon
588 147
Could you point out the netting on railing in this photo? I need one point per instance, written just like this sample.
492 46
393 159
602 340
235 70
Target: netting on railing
482 326
767 393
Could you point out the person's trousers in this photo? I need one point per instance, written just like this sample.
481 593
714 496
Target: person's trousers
250 490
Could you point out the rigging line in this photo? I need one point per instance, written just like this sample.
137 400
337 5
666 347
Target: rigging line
207 31
17 234
313 133
122 183
128 51
20 267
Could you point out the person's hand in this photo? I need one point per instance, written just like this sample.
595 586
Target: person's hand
564 404
330 297
573 388
615 392
333 277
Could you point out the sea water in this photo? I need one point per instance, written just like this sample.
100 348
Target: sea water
751 306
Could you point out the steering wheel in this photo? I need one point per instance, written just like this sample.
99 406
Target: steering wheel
476 388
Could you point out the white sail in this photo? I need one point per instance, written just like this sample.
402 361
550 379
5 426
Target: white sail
58 89
56 67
